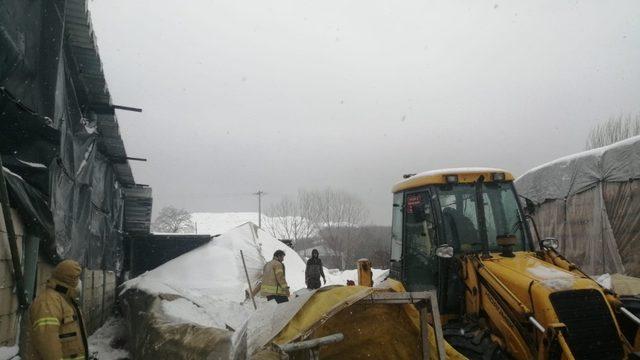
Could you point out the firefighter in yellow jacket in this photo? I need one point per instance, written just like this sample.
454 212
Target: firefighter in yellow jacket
274 283
57 331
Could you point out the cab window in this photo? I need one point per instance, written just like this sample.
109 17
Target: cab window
419 260
395 267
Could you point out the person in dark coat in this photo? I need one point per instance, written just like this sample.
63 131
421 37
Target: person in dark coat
314 271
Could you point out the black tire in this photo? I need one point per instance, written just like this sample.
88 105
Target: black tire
472 341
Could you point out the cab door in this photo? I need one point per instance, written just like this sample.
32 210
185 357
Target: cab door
419 262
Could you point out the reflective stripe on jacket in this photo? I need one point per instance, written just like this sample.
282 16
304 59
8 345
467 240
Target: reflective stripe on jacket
273 279
56 330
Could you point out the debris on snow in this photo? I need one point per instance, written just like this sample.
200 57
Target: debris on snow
108 342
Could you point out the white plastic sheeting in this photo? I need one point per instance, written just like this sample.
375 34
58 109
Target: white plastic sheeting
586 201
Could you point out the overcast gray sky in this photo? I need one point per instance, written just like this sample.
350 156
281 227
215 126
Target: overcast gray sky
286 94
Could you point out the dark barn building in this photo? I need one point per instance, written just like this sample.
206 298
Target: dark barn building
70 186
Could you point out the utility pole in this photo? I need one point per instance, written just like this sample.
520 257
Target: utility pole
259 194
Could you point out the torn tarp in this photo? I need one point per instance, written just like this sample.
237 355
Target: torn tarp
65 188
31 204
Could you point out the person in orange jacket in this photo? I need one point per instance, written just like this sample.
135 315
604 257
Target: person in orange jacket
57 330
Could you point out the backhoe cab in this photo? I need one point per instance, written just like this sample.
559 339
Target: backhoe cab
464 233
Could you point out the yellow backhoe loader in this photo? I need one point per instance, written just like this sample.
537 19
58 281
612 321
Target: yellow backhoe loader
464 233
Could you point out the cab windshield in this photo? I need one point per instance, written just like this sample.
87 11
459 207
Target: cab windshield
460 226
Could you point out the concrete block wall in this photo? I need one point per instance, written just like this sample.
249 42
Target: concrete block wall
98 289
98 297
9 317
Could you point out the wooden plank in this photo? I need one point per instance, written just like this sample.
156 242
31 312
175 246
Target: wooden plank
110 278
98 279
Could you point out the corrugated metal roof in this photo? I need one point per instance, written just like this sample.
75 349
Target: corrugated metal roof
83 48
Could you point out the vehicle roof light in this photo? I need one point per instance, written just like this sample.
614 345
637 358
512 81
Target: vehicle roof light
451 179
498 176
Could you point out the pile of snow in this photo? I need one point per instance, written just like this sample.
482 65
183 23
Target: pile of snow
101 342
9 352
211 278
211 282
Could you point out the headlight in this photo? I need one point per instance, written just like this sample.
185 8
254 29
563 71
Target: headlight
499 176
451 179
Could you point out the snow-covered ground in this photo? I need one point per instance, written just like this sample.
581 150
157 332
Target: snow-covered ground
107 342
9 352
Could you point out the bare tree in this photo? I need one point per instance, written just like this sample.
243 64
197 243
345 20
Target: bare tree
337 215
613 130
172 220
285 221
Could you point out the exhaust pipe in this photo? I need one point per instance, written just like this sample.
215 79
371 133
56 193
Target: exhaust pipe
537 324
630 315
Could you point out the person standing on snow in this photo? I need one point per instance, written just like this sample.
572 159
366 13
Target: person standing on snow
313 271
274 283
57 330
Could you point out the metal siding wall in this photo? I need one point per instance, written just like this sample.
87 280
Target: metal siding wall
151 251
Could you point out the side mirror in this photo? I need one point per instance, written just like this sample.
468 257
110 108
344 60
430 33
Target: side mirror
530 207
549 243
444 251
